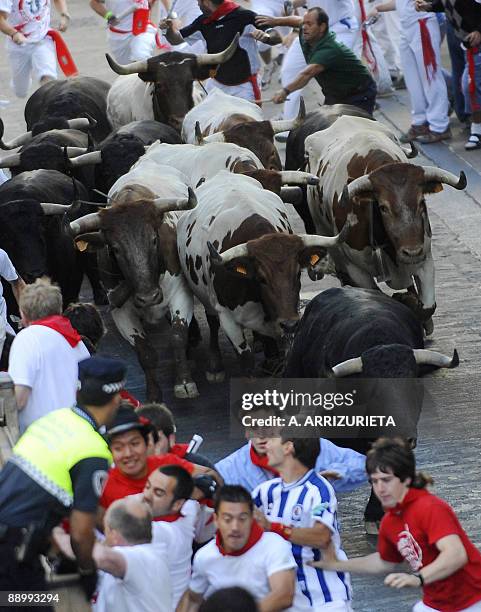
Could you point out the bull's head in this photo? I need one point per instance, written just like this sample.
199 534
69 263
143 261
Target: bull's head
22 235
398 192
173 74
272 265
258 137
61 124
45 155
143 246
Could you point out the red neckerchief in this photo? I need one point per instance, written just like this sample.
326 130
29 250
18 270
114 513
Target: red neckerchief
125 395
168 518
61 325
254 536
411 496
224 9
262 461
179 449
429 56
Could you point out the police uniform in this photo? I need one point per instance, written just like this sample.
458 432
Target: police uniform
58 465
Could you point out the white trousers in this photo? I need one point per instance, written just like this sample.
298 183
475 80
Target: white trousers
421 607
387 31
294 63
128 48
36 60
244 90
429 98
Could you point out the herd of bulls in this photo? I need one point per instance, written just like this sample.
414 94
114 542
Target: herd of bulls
160 201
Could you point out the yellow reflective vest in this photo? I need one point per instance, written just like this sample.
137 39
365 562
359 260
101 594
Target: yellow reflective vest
52 445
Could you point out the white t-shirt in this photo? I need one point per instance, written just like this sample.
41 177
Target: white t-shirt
271 554
335 9
42 359
178 536
408 15
33 15
144 588
8 272
119 6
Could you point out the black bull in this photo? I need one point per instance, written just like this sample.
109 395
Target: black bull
350 333
37 238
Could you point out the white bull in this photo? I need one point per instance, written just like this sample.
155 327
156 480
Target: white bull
243 261
141 265
363 169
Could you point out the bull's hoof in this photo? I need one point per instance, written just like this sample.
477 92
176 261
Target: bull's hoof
187 390
215 377
428 326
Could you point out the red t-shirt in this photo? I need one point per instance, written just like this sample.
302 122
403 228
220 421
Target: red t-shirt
410 531
119 486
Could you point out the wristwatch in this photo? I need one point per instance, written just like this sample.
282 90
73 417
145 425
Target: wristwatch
286 91
421 579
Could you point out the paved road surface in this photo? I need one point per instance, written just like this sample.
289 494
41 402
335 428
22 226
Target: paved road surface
449 444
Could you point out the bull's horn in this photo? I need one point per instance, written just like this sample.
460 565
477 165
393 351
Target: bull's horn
198 134
312 240
295 177
87 223
363 183
215 137
412 152
167 204
348 367
94 157
49 208
16 142
132 68
76 151
291 195
433 358
431 173
205 59
82 123
290 124
10 161
239 250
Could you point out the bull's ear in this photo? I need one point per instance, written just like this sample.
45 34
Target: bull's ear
432 187
311 256
92 241
241 266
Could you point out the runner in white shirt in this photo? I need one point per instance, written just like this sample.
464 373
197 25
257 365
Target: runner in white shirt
167 493
8 272
131 33
31 51
300 506
243 555
420 51
44 356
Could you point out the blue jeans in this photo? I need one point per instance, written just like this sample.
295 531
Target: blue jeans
458 63
477 81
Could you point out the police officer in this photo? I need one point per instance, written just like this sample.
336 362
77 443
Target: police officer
57 469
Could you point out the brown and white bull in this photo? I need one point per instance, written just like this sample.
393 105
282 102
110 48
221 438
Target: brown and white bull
160 87
243 262
203 163
364 170
224 118
140 265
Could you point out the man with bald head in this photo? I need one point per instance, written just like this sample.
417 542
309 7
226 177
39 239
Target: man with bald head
135 576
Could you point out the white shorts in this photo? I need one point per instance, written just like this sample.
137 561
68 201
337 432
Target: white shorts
244 90
31 59
332 606
128 48
422 607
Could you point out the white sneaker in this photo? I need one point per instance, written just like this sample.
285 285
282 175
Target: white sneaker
474 142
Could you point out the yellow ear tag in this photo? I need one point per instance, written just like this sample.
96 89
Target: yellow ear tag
212 73
241 270
314 259
81 245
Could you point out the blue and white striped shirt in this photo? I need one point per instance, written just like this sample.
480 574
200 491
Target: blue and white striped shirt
303 503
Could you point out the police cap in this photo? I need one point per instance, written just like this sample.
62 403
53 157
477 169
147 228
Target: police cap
99 379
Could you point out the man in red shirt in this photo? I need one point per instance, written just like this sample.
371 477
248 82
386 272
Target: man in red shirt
421 530
128 439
